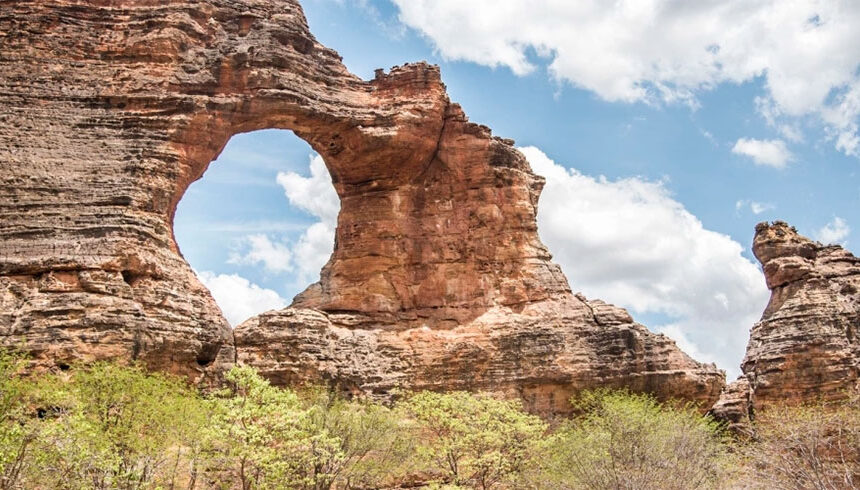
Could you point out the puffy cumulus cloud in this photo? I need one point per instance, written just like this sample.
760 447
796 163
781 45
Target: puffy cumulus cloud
260 249
302 259
770 153
627 241
238 297
836 231
316 195
306 256
666 51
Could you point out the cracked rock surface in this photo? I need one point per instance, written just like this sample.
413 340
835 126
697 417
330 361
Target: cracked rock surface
109 110
806 346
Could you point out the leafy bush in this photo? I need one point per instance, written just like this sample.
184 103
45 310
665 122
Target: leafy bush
115 427
109 426
374 444
625 440
256 433
472 439
814 446
271 438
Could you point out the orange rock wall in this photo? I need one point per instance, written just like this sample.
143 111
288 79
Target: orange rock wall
110 109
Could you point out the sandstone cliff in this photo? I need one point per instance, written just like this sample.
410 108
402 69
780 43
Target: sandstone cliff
806 346
110 109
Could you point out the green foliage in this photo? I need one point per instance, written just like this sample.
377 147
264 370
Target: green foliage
474 440
625 440
18 430
108 426
815 446
115 427
257 433
272 438
374 444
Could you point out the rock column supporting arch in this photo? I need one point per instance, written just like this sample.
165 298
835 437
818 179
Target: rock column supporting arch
110 109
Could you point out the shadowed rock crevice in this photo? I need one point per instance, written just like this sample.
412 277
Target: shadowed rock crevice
438 279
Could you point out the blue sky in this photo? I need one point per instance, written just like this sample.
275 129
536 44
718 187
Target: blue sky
660 157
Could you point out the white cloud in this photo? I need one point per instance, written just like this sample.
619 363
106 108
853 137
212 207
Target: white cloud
316 195
238 298
275 257
773 115
842 117
627 241
313 251
754 206
758 208
664 51
770 153
834 232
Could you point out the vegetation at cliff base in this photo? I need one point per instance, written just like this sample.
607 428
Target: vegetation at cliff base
815 446
625 440
105 426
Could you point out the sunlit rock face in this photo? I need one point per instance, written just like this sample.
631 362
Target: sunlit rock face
806 346
437 280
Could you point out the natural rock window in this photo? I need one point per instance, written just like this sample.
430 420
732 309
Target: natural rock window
259 225
437 278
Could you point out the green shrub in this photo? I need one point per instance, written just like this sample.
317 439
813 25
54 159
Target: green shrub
625 440
110 426
272 438
472 439
256 434
374 444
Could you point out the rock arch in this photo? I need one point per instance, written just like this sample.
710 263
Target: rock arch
438 278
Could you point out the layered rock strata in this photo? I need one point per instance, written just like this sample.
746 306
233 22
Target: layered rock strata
543 354
110 110
806 346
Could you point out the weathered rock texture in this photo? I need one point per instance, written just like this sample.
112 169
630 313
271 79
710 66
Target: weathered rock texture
806 346
543 353
110 109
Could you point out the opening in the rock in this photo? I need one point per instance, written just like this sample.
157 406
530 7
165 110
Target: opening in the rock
259 225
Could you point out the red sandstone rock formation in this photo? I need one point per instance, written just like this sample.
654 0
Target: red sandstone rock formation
806 346
110 109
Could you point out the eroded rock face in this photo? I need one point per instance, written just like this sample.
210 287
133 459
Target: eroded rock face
438 279
806 346
733 407
543 354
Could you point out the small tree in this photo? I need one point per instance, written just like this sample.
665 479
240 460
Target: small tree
260 433
115 427
625 440
474 439
372 441
815 446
